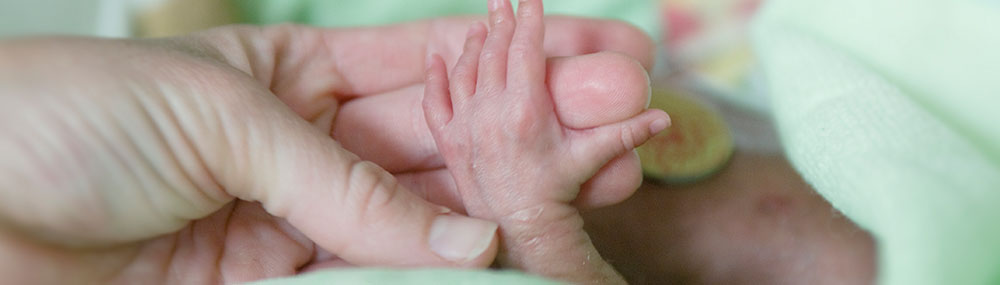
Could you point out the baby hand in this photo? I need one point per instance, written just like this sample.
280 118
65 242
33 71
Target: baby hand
513 161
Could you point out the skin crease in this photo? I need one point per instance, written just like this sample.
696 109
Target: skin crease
204 236
513 160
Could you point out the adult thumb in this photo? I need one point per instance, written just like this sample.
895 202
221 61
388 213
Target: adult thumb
350 207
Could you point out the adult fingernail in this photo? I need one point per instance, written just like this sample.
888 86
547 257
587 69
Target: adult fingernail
657 126
459 239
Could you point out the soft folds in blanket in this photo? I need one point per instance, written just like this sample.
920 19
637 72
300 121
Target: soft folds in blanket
889 109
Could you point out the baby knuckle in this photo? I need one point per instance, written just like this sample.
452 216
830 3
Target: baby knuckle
520 50
522 120
490 56
629 137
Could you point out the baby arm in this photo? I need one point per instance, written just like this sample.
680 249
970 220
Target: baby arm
512 160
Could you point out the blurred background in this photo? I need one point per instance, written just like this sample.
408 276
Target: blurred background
704 52
705 37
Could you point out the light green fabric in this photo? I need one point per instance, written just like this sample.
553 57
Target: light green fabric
415 277
341 13
889 109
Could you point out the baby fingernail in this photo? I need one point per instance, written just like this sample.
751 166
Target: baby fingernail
494 5
459 239
658 126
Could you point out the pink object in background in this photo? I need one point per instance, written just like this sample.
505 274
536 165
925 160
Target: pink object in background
746 8
707 41
679 25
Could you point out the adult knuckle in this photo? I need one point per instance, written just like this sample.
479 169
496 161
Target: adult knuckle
369 188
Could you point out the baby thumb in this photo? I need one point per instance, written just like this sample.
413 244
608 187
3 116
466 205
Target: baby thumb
350 207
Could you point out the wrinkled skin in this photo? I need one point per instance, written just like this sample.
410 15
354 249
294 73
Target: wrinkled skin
511 157
176 159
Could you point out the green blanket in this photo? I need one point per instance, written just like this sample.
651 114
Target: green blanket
888 108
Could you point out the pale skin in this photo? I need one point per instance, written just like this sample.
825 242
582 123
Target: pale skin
512 158
175 159
661 222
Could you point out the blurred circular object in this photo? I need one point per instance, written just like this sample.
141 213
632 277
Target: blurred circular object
696 145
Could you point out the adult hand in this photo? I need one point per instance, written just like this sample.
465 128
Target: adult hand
123 160
379 116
